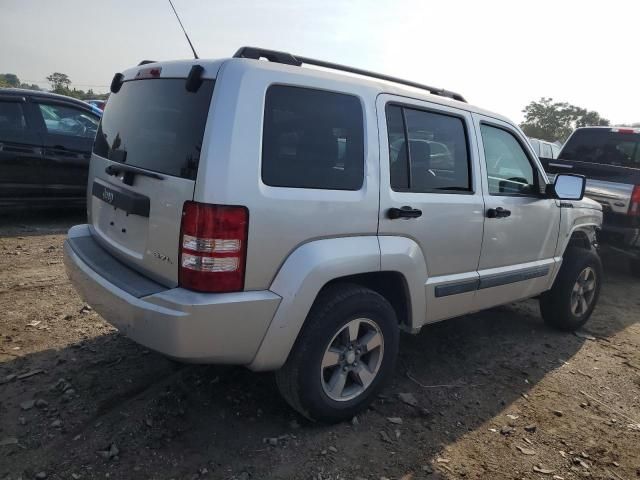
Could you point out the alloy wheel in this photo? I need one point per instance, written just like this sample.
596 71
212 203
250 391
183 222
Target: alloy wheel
352 359
583 292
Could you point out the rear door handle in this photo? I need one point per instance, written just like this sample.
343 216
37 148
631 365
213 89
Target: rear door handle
498 213
404 212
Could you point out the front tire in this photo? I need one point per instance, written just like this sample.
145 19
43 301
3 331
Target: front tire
344 354
574 295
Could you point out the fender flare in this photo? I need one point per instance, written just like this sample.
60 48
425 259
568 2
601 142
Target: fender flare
310 267
588 224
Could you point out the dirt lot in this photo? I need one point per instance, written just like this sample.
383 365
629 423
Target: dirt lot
499 395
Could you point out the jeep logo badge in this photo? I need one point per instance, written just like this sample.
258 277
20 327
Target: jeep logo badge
107 196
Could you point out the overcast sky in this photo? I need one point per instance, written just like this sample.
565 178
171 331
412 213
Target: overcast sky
499 54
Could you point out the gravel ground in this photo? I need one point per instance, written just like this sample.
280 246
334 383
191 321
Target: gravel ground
495 395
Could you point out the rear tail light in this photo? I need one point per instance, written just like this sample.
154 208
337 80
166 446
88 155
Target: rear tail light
634 207
625 130
213 247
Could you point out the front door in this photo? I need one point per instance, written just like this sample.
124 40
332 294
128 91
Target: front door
429 163
521 222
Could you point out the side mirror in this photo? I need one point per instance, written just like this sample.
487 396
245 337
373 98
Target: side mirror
569 186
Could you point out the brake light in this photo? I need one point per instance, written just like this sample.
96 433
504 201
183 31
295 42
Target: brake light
213 247
153 72
634 207
625 130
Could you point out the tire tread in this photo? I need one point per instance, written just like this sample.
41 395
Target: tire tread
287 377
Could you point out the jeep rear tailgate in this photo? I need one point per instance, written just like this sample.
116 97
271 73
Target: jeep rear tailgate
144 166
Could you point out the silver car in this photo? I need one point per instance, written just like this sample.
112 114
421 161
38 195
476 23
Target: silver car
296 219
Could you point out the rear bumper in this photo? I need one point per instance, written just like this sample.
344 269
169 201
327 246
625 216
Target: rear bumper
185 325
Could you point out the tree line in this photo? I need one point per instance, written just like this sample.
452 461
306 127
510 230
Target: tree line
554 121
60 84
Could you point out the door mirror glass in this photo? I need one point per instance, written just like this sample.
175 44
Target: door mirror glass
570 187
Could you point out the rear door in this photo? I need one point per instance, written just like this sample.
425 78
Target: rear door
20 153
521 223
429 164
67 132
143 169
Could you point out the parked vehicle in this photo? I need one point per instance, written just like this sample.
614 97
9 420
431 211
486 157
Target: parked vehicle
95 109
610 159
45 146
97 103
292 219
544 149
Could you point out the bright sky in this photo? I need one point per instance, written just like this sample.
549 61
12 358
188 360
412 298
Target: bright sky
499 54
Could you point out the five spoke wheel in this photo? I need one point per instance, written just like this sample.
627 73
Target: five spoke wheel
583 291
352 359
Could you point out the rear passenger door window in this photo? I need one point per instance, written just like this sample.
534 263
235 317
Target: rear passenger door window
428 152
312 139
509 171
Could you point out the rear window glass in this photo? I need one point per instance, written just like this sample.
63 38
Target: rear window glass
312 139
155 124
603 146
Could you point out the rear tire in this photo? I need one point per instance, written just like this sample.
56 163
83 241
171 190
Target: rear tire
574 295
344 354
635 267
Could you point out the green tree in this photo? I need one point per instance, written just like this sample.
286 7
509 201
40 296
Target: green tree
9 80
60 82
551 121
33 86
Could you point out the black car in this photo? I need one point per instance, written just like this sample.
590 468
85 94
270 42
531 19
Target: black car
45 146
610 159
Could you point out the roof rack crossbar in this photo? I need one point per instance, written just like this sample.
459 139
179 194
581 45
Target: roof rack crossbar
289 59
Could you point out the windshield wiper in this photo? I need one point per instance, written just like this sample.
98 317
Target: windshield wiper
129 172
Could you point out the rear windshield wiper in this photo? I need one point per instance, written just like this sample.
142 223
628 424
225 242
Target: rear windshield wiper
129 172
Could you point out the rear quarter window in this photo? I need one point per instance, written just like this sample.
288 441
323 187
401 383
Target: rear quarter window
13 125
312 139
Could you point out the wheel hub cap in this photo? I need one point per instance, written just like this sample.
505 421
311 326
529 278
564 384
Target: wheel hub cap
583 291
352 359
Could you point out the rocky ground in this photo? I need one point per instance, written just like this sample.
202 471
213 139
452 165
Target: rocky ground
496 395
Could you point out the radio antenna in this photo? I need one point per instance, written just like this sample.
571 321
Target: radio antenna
195 55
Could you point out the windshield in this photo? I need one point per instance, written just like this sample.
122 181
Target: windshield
155 124
600 145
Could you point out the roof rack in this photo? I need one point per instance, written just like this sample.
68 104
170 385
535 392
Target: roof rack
295 60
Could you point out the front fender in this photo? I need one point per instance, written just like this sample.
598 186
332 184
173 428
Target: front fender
309 268
577 219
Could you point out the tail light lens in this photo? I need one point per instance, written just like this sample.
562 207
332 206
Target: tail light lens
634 207
213 247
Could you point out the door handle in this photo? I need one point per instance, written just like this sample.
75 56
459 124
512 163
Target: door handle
404 212
498 213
